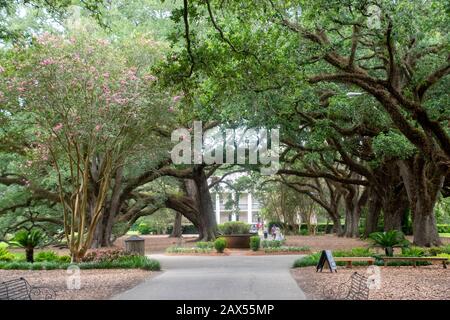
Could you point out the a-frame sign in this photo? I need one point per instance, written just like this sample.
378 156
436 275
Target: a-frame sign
326 260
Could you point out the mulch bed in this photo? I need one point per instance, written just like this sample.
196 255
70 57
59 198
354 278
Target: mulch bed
95 284
397 283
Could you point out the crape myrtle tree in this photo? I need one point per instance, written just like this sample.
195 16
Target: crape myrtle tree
92 109
256 59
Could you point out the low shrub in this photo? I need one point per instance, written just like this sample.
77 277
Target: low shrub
205 244
101 255
443 228
124 262
272 243
234 227
5 255
255 242
144 228
176 249
354 252
64 259
310 260
303 232
46 256
413 252
220 244
444 255
287 249
186 229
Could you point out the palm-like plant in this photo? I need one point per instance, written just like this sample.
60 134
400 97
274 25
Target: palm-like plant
28 240
388 240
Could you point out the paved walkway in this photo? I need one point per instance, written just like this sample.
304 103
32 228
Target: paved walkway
220 278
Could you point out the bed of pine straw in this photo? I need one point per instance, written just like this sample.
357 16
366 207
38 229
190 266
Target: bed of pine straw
397 283
95 284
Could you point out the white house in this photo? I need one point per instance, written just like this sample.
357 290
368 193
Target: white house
249 207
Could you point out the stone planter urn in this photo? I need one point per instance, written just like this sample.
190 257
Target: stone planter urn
238 241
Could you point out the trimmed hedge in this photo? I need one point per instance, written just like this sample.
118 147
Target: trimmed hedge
443 228
186 229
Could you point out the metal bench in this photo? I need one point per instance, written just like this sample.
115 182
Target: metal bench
356 288
415 259
20 289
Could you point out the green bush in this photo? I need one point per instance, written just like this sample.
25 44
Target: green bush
354 252
144 228
255 242
205 244
303 232
287 249
234 227
5 255
46 256
413 252
443 228
186 229
220 244
272 243
311 260
64 259
444 255
176 249
125 262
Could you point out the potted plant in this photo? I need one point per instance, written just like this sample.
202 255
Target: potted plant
236 233
388 240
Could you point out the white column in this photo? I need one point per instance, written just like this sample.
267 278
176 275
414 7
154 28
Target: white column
249 209
217 208
233 213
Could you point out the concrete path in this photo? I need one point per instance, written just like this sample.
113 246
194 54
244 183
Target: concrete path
220 278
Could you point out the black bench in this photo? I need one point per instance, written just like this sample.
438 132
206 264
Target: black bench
20 289
356 288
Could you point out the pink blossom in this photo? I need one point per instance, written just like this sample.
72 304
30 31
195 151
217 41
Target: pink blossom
176 98
106 75
47 62
58 127
98 127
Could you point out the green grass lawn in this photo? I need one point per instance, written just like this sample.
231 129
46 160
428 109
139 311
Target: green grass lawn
445 235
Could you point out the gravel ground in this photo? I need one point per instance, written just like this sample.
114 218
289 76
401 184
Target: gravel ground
397 283
95 284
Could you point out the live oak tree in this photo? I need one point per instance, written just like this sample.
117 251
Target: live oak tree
255 59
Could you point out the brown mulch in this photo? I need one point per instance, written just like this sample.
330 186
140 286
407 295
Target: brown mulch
95 284
397 283
325 242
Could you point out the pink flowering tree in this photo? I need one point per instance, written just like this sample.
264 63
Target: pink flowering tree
93 107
